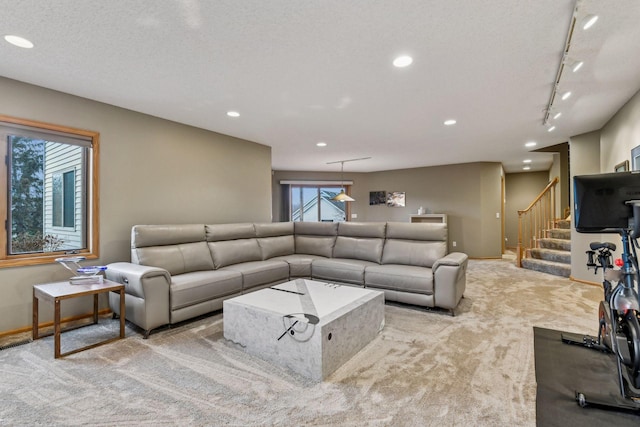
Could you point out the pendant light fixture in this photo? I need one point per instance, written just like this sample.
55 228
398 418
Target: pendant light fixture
342 196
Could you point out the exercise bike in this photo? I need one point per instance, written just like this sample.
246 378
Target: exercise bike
618 315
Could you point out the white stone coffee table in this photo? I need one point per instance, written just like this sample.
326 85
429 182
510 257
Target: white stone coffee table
309 327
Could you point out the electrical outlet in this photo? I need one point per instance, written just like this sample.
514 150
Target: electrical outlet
498 215
453 243
354 216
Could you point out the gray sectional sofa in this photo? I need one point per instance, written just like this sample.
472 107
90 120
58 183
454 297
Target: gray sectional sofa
178 272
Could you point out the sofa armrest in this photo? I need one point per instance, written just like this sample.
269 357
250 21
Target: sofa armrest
146 293
449 279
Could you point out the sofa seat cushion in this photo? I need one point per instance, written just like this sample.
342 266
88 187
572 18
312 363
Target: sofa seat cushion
404 278
299 264
192 288
258 273
340 270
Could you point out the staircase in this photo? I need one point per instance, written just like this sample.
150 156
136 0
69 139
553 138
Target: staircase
553 254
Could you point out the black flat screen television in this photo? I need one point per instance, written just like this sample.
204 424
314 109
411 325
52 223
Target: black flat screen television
600 201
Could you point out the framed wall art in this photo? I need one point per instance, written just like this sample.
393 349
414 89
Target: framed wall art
377 198
396 199
622 166
635 158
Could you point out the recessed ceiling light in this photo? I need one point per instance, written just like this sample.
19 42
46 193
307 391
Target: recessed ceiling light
588 21
18 41
531 144
450 122
557 116
233 114
321 144
402 61
551 129
526 168
576 66
526 161
566 95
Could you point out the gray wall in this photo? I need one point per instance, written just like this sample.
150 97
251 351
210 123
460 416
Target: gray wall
520 190
468 193
151 171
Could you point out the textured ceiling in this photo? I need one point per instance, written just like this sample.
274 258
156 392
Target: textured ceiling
300 72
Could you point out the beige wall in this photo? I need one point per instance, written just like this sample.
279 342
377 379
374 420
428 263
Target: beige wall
520 190
600 152
468 193
151 171
585 160
620 135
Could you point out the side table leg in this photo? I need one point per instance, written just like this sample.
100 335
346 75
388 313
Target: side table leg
122 313
95 309
56 328
34 327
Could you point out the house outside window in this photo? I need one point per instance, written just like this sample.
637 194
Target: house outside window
49 183
314 203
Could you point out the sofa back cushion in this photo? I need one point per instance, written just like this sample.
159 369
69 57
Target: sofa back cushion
363 241
414 244
275 239
220 232
232 243
162 235
176 248
230 252
315 238
176 259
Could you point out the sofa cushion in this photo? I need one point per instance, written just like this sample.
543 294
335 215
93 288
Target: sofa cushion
416 231
234 252
273 229
276 246
362 229
340 270
315 245
192 288
162 235
176 259
260 273
404 278
315 228
299 264
413 252
358 248
220 232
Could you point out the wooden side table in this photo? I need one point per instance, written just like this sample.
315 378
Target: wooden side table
56 292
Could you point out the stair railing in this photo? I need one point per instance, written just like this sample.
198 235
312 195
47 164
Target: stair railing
535 220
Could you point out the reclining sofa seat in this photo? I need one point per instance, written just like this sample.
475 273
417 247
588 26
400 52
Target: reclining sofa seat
357 246
178 272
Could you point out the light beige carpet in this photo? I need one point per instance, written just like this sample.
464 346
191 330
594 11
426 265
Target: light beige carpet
425 368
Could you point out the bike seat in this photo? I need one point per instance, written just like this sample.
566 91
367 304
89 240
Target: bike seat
602 245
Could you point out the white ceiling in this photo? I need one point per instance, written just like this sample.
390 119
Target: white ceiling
304 71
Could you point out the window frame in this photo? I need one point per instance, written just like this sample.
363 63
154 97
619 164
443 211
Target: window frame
91 196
